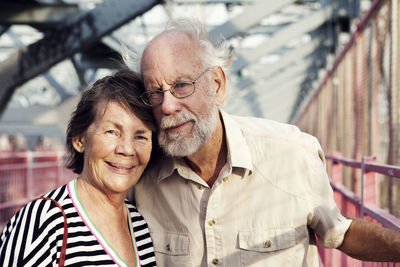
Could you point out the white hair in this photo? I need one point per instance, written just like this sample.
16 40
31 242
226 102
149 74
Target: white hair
131 58
218 55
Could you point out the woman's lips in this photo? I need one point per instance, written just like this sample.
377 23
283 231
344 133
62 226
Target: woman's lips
120 167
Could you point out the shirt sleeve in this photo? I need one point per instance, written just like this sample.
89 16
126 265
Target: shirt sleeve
327 221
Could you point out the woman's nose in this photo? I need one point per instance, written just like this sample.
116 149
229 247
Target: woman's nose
126 146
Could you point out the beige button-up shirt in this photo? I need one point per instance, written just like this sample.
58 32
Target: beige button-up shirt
263 210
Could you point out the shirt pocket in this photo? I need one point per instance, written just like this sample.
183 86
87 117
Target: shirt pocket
267 240
171 249
171 243
257 247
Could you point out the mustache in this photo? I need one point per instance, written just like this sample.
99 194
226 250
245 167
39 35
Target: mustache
175 120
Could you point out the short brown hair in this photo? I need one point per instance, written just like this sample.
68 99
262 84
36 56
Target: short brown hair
123 87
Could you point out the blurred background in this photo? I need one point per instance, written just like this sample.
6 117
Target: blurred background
331 67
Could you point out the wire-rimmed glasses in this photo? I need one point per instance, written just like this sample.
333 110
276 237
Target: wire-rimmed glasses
179 90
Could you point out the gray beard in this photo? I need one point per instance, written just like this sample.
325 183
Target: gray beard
177 145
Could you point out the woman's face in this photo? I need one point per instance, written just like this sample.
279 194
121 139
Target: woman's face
116 147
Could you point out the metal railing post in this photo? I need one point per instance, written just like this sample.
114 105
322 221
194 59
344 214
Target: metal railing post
60 176
29 182
362 187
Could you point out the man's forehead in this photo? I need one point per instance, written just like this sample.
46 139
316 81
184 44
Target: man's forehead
169 43
170 55
172 37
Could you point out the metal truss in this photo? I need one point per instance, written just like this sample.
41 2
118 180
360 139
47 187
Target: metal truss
250 16
76 34
35 14
281 38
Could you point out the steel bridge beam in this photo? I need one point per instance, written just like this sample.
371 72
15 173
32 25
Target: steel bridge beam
33 13
250 16
282 37
280 110
76 34
57 116
265 78
287 59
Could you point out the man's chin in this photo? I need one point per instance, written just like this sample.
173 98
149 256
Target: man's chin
179 148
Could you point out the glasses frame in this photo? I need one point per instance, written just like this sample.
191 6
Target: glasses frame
145 97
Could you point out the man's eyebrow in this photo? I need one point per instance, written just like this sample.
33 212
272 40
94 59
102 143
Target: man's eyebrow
183 79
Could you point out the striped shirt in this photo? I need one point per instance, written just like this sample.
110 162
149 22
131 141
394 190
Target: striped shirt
33 237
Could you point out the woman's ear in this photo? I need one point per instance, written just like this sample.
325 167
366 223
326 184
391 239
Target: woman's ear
220 80
79 144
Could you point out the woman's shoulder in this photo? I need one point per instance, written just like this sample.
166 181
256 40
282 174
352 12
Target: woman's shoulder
35 226
59 195
39 211
51 202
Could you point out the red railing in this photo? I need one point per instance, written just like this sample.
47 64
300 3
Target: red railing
26 175
355 108
365 205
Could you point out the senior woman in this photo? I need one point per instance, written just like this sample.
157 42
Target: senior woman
109 142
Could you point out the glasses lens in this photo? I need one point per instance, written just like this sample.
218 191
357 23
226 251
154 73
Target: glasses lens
182 90
151 98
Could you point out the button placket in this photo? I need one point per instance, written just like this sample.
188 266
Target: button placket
212 231
211 222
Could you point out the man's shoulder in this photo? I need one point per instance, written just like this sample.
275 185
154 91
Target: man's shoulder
274 131
265 127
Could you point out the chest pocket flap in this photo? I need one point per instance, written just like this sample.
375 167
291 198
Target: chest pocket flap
267 240
170 243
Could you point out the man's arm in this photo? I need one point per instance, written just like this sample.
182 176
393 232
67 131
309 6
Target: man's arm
368 241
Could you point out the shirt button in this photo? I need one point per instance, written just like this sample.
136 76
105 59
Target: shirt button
168 247
215 261
186 181
201 187
211 223
267 244
225 179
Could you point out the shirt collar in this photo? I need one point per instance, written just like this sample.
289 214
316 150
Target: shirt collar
239 155
238 150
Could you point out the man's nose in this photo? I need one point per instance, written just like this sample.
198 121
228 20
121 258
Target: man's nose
170 104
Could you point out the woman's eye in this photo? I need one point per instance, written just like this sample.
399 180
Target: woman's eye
111 132
141 137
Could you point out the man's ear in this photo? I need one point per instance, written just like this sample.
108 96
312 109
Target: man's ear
220 80
79 144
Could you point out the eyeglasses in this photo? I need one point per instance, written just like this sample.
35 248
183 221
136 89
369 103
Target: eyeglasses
179 90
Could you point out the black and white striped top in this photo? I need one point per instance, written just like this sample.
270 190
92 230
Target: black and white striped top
33 237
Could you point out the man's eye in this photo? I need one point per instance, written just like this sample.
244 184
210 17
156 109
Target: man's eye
180 86
156 92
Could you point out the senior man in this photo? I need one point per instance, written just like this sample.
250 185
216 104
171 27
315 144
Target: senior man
229 190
